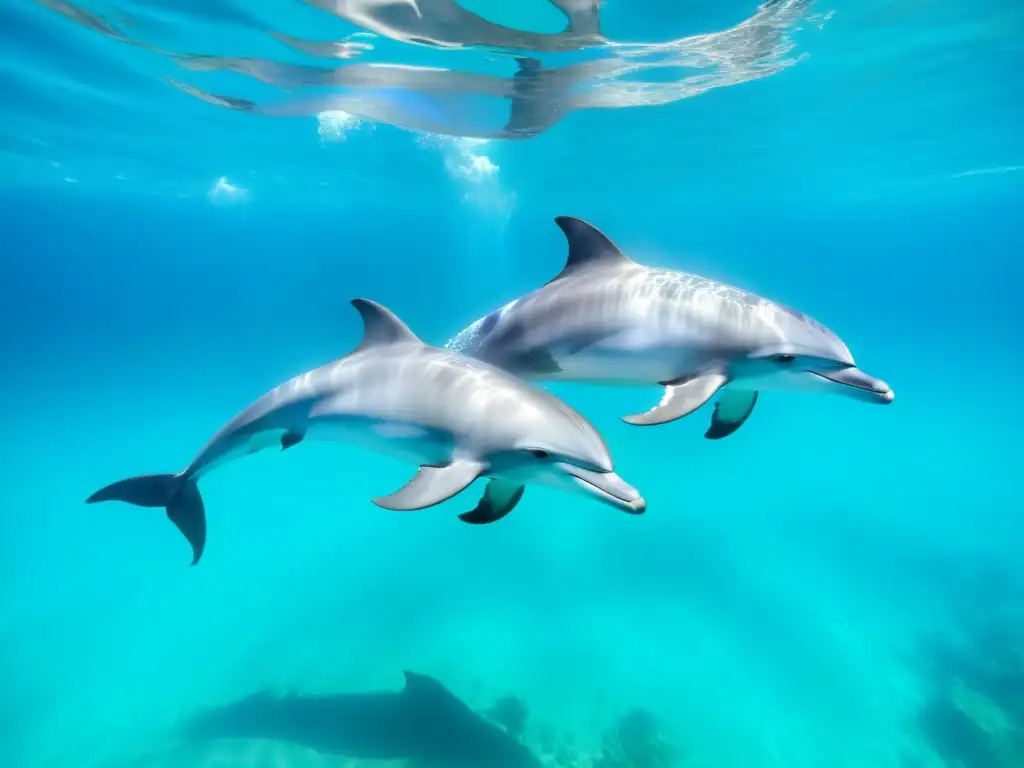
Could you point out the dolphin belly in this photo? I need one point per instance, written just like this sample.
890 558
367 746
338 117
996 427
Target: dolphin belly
618 365
401 440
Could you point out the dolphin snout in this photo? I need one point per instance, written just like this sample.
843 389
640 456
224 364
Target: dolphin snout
859 385
608 488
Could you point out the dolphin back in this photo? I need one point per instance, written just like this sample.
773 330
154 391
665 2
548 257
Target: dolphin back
355 725
424 723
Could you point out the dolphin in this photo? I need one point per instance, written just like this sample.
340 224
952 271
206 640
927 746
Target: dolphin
423 723
457 418
605 318
447 24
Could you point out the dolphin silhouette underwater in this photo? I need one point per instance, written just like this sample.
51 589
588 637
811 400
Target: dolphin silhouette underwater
605 318
457 418
423 723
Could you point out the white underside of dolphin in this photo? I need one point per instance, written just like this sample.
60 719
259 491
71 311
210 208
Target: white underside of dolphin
457 418
607 319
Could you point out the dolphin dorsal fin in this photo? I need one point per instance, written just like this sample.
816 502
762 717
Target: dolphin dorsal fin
381 326
417 684
527 65
588 246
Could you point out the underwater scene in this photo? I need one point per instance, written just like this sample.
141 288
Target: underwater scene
511 383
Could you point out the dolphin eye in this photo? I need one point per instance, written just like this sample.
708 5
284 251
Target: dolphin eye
537 453
784 359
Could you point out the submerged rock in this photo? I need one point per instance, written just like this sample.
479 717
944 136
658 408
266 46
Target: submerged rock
511 713
966 727
635 742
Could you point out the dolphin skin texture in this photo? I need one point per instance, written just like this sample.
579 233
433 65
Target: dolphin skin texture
607 319
424 723
457 418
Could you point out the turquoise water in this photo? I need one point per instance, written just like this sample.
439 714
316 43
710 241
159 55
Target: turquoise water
836 585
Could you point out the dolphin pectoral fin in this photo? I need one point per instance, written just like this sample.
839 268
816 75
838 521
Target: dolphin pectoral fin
731 410
290 439
500 497
680 400
432 485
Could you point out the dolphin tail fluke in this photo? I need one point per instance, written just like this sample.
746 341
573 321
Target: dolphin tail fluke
178 494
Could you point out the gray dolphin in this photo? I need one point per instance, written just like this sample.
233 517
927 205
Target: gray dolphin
454 103
457 418
447 24
607 319
423 723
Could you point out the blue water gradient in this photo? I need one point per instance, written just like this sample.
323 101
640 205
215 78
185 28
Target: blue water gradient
769 605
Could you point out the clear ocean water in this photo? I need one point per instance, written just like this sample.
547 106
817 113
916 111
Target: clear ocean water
191 192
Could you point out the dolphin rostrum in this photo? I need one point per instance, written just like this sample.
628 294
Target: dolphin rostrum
423 723
457 418
606 318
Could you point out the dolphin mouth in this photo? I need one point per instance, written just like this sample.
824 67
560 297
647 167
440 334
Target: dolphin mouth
608 488
860 385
